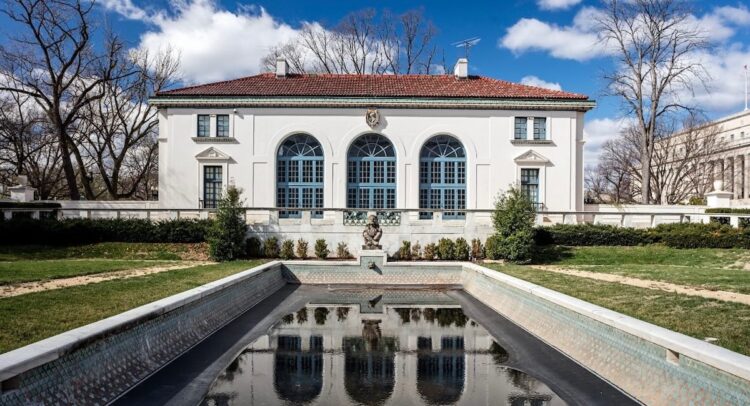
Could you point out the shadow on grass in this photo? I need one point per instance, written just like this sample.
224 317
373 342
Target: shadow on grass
550 254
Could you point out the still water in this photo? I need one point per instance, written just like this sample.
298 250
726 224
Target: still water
369 347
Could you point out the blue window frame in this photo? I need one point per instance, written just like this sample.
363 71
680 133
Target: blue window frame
222 125
442 177
520 128
530 184
371 173
212 184
204 125
540 128
299 176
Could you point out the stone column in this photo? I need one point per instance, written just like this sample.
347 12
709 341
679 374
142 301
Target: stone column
729 169
720 170
747 176
739 189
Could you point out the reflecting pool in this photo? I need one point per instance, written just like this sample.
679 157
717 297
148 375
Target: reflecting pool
377 347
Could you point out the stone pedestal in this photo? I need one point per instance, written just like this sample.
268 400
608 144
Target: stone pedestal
21 193
719 198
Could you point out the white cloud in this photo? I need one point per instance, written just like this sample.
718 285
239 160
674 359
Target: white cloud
535 81
556 4
724 92
596 132
213 43
579 40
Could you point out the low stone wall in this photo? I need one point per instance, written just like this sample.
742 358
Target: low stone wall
373 269
654 365
96 363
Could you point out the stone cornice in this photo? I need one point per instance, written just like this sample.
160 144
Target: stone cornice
358 102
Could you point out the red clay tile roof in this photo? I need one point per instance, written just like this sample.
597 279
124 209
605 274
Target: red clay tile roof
333 85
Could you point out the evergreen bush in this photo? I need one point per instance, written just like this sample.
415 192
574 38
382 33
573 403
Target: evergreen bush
416 251
513 219
429 252
271 247
477 250
253 248
461 250
226 238
445 249
342 251
321 249
302 248
404 253
287 250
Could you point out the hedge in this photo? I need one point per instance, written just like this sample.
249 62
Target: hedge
685 235
717 210
590 234
84 231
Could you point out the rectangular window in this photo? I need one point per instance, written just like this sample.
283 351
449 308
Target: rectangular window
364 199
390 202
520 128
378 198
222 125
540 128
351 198
530 184
379 171
293 172
319 172
435 172
390 170
450 172
281 172
307 171
352 172
364 172
461 172
204 125
212 182
424 172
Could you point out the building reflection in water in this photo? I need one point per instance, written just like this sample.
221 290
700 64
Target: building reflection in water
406 347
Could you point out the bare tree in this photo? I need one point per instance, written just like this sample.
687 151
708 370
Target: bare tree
28 147
118 132
362 43
54 61
654 43
676 165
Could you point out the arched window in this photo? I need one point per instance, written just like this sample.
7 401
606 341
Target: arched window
371 173
299 175
442 176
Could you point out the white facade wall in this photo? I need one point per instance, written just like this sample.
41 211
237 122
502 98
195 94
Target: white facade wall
248 156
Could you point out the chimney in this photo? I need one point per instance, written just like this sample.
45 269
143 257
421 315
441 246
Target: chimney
461 70
282 68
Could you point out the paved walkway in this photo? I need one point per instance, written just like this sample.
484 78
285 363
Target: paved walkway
649 284
17 289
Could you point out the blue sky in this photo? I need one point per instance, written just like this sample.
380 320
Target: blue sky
546 39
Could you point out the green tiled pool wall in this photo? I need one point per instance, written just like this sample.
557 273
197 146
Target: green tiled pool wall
101 371
393 273
635 365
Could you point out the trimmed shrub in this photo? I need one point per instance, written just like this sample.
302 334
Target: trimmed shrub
287 249
405 251
302 248
514 226
253 248
477 250
416 251
430 250
727 210
491 247
461 250
696 235
593 234
226 238
342 251
87 231
321 249
271 247
445 249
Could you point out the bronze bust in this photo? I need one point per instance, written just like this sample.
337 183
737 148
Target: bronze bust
372 234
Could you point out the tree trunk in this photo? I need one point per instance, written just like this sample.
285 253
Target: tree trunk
70 173
645 174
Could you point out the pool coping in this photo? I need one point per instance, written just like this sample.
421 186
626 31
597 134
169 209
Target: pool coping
20 360
713 355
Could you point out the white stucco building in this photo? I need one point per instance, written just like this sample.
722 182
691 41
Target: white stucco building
370 142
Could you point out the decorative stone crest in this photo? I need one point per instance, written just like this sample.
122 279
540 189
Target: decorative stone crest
372 118
372 234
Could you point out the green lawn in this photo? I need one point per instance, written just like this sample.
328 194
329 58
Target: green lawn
28 270
690 315
109 250
32 317
714 269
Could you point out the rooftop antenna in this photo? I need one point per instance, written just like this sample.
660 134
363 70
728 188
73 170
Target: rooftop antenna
466 44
